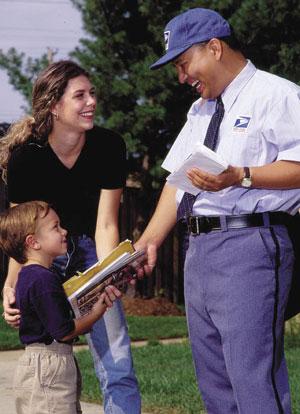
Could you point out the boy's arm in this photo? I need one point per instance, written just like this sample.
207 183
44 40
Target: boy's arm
85 323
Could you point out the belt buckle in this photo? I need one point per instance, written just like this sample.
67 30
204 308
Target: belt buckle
190 220
189 226
206 225
197 225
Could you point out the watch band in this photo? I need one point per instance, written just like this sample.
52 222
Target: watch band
246 180
247 172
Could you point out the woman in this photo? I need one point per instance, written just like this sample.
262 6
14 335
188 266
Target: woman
57 155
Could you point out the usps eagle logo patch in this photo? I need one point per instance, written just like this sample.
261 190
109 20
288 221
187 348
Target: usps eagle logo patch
241 124
167 39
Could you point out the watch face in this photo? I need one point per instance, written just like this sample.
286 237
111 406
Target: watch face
246 182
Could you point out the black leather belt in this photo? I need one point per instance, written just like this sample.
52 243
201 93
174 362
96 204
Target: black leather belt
205 224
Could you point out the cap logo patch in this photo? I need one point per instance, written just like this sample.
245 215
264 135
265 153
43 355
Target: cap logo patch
167 39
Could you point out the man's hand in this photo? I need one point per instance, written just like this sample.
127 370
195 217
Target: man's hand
210 182
151 256
10 314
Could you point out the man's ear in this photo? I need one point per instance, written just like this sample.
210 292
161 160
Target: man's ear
31 242
216 47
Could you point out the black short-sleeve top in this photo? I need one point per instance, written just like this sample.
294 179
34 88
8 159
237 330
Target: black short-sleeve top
36 173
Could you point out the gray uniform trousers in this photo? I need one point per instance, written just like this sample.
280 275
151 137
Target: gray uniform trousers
236 288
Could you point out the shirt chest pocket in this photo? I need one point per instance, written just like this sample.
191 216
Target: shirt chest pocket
241 146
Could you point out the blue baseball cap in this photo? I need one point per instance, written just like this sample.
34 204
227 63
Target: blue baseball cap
191 27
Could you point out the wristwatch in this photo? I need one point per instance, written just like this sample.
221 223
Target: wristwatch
246 180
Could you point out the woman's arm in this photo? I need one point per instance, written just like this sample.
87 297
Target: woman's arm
12 274
107 228
11 315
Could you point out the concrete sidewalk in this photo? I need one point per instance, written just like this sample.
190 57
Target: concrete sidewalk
8 362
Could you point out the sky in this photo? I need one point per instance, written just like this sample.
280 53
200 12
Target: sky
33 26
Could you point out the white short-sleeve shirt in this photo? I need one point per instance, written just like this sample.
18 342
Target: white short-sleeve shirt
261 125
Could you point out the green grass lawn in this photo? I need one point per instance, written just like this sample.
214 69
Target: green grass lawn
165 372
167 381
9 338
145 327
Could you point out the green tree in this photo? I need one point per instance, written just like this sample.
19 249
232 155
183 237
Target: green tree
149 107
270 30
21 71
146 107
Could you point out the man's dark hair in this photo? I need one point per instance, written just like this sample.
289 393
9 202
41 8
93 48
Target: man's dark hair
233 42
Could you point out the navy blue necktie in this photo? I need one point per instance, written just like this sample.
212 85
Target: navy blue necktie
186 204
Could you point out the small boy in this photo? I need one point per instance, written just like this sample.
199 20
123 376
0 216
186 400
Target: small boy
47 378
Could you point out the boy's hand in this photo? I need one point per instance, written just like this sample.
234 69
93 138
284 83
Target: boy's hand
106 299
11 315
110 294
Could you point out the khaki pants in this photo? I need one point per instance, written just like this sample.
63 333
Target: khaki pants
47 380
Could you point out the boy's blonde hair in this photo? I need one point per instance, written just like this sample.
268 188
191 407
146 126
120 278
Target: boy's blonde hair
16 223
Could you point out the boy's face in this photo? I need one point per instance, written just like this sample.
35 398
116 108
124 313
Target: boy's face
51 236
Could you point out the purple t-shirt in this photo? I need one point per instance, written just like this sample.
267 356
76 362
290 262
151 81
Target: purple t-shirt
45 311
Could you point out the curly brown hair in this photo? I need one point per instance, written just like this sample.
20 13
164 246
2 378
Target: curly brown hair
47 91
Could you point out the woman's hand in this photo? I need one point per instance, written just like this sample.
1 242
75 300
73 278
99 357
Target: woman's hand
11 315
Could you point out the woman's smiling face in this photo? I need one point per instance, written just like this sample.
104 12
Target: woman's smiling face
76 108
